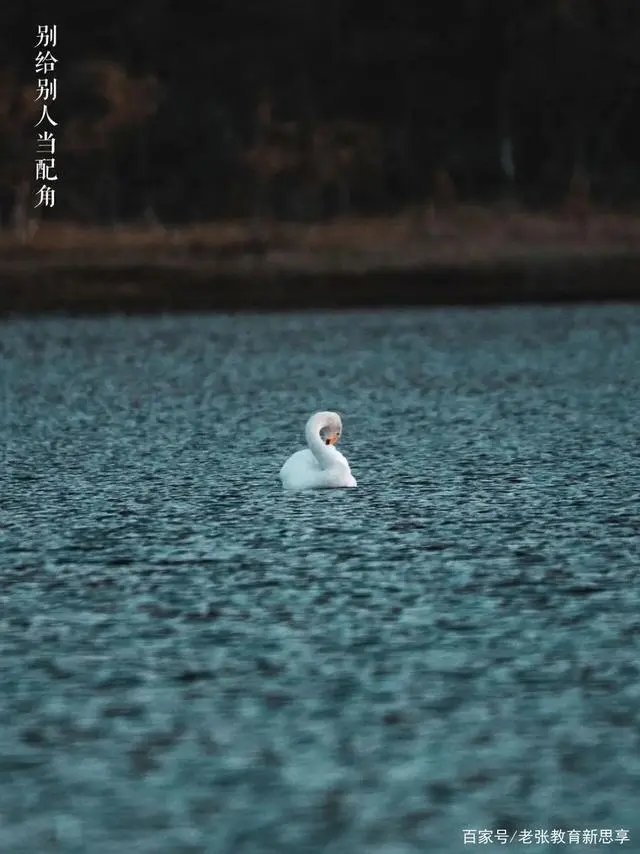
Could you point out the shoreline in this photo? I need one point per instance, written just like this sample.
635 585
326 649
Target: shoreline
472 258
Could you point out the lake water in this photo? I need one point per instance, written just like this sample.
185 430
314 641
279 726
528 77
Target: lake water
194 661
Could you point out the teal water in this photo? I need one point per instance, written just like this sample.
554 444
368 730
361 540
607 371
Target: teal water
194 661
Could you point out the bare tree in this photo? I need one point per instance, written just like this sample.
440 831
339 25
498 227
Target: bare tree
345 155
18 109
275 153
115 106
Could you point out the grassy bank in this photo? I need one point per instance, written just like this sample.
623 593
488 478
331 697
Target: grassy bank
420 257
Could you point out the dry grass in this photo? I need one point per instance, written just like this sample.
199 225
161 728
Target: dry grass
420 236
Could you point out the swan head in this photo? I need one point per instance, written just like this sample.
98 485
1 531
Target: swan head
328 425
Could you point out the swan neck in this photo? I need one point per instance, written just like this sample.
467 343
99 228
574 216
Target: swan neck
323 453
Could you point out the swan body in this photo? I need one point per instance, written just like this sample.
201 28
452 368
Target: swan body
320 465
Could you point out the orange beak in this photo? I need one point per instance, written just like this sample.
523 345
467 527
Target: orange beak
333 440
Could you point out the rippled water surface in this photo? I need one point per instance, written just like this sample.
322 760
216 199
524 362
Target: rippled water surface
194 661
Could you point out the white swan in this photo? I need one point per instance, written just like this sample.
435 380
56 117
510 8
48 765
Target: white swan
321 465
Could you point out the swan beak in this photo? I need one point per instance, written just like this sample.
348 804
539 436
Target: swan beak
333 440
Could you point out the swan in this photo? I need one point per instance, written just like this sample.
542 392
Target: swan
320 465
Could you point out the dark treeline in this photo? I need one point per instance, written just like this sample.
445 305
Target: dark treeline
305 109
